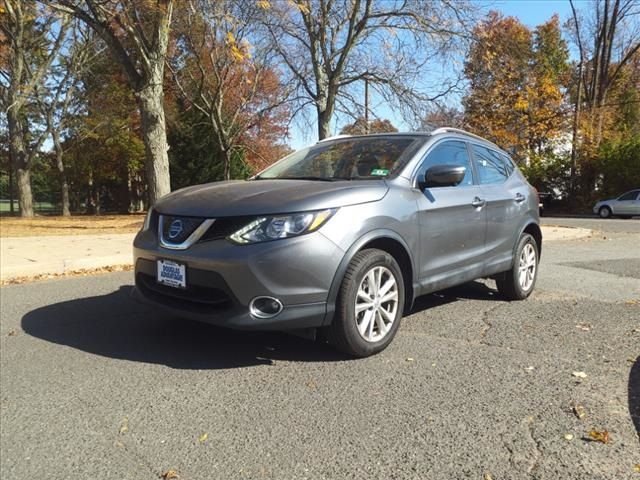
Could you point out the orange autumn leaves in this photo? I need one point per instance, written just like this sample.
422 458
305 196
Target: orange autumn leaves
516 80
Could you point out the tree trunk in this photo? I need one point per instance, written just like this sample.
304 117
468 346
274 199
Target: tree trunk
11 186
21 165
25 197
226 164
324 120
325 106
64 185
154 136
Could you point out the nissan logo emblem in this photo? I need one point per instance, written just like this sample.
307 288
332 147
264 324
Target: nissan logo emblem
175 229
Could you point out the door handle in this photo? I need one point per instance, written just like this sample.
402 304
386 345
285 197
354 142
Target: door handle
478 202
520 198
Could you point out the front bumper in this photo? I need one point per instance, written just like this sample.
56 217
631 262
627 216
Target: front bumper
222 279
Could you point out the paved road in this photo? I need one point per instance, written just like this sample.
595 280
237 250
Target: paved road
95 386
613 225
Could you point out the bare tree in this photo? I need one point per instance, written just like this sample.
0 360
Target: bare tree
137 33
59 101
607 40
331 46
34 37
230 81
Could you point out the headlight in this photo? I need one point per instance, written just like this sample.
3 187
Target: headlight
147 220
264 229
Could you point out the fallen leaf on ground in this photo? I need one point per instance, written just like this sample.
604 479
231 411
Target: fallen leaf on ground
600 436
169 475
579 411
631 360
636 467
632 302
487 476
409 359
311 385
579 374
12 333
583 326
203 438
124 426
568 437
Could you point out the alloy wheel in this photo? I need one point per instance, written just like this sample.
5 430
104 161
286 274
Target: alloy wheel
527 267
376 303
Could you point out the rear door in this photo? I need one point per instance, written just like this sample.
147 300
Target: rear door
507 203
452 222
627 204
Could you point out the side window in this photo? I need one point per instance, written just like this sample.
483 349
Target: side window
491 168
629 196
450 153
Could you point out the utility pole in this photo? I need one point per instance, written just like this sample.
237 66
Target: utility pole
574 136
366 106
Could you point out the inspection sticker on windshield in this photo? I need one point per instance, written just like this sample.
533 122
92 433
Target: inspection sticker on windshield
379 172
172 274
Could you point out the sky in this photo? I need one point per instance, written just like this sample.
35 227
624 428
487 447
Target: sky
529 12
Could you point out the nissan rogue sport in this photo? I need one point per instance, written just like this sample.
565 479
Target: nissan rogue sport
342 236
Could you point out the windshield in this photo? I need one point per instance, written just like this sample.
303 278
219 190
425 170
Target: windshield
345 159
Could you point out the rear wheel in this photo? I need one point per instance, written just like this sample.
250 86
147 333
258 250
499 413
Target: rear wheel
518 283
604 212
369 305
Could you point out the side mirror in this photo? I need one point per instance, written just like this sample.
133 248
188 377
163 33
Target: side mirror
442 176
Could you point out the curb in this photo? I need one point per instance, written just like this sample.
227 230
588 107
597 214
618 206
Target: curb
64 266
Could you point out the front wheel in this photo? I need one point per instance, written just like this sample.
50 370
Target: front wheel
518 283
369 305
604 212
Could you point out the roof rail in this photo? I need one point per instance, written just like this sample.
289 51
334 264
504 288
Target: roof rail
461 132
335 137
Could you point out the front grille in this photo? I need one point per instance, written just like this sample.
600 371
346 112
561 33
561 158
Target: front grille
177 229
225 226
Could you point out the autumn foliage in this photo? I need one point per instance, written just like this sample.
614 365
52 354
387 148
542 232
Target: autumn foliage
517 77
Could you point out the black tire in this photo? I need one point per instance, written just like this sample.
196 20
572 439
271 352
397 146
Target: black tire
508 283
343 332
604 212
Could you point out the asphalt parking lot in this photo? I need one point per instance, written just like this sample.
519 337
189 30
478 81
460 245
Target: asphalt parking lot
94 386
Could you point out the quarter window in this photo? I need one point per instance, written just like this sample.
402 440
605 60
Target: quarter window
490 166
508 164
450 153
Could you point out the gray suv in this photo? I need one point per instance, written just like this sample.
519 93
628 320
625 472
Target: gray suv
342 236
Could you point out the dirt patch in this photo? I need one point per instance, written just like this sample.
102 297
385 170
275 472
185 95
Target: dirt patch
551 233
80 225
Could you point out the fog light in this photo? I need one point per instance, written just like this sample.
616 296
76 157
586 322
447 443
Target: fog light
265 307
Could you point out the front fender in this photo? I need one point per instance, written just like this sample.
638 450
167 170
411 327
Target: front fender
348 256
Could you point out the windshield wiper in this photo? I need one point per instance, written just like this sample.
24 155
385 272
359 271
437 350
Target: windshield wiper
307 177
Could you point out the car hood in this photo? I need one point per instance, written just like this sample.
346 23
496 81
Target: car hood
261 197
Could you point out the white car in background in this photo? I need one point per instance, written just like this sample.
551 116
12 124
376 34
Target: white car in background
626 205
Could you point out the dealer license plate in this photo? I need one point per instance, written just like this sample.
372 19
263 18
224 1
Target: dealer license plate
172 274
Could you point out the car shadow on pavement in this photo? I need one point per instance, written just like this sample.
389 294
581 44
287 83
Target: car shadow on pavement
476 290
634 395
116 326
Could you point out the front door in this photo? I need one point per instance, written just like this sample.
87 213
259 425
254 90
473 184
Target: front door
452 223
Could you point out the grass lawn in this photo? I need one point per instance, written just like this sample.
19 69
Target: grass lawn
76 225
